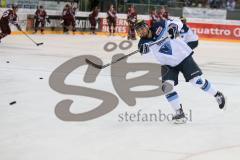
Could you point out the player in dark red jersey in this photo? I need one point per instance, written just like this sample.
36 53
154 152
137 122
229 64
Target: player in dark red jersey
9 16
132 20
154 17
163 14
112 19
40 18
68 16
93 19
73 10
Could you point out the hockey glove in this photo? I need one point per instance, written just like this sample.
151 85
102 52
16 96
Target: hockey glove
173 31
48 20
144 48
18 27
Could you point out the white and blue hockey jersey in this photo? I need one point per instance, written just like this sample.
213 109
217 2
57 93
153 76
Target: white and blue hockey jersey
187 34
173 51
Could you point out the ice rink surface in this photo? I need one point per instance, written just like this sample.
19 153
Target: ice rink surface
30 129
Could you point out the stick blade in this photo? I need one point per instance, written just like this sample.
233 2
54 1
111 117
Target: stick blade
39 44
93 64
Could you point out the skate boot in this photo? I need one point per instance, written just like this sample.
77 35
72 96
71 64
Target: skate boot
179 117
220 100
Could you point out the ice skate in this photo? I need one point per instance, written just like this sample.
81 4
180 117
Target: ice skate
220 100
179 117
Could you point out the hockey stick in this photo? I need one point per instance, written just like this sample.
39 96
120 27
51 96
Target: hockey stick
159 42
108 64
38 44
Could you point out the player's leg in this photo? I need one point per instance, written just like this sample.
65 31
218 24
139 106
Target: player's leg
170 77
193 74
73 26
114 26
133 32
193 44
91 23
1 34
94 27
110 26
206 86
42 26
5 30
129 31
65 26
36 26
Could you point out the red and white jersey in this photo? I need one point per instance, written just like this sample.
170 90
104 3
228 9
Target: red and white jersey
73 10
112 14
68 14
40 15
9 17
132 17
94 14
155 17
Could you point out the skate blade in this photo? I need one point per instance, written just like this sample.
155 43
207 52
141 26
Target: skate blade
225 106
179 121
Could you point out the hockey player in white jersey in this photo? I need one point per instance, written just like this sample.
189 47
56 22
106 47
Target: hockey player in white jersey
175 56
188 35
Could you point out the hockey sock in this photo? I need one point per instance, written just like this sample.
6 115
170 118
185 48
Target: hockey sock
174 100
204 84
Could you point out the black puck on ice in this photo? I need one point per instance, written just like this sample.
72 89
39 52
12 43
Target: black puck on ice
7 62
13 102
40 78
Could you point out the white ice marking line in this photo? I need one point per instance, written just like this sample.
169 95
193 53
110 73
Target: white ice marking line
171 152
209 151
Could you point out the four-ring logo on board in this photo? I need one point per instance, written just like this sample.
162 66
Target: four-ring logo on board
236 32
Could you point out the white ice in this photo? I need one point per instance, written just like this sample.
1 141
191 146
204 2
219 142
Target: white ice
30 129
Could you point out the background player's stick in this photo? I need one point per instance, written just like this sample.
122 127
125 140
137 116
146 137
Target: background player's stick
38 44
159 42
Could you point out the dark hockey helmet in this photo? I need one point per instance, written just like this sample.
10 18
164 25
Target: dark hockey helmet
183 19
41 7
14 6
67 6
141 28
140 24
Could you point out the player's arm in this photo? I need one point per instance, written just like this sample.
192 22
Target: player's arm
47 17
15 23
173 31
144 46
174 28
36 14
